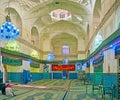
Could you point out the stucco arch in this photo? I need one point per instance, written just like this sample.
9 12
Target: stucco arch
15 18
34 36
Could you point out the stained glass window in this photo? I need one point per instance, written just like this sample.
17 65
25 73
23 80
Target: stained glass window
65 50
98 40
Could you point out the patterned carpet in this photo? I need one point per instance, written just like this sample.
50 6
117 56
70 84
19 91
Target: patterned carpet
54 90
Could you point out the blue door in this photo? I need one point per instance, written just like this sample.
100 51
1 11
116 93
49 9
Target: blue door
64 75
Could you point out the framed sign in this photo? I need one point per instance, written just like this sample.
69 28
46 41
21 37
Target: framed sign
59 67
78 66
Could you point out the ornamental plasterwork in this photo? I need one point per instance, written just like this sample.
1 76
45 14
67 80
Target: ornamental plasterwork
60 14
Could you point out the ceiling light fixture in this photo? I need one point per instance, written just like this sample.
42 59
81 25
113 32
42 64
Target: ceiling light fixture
8 30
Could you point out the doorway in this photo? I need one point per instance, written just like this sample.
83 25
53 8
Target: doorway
65 74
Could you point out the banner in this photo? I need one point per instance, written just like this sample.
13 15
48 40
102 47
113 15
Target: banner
45 69
35 65
78 66
88 64
98 69
98 61
11 61
63 67
117 52
98 74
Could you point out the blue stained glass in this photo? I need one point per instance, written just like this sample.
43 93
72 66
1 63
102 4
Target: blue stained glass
14 31
10 27
2 36
1 31
17 30
8 31
9 23
14 27
17 33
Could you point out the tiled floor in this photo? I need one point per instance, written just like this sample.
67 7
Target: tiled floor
53 90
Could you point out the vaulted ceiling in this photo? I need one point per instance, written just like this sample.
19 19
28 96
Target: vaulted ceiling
53 19
81 13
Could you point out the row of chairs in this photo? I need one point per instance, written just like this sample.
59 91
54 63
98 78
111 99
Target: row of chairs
110 90
103 90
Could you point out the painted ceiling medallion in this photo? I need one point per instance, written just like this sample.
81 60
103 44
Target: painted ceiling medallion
60 14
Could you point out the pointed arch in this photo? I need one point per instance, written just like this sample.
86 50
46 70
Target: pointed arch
15 18
34 36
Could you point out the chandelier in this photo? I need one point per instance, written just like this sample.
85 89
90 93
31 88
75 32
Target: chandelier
8 30
50 57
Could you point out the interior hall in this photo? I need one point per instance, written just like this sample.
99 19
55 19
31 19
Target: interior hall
59 49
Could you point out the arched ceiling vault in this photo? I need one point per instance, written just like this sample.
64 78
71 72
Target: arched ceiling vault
97 8
37 13
76 25
63 26
67 40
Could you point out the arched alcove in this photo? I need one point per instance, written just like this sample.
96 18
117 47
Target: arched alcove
34 36
15 18
59 41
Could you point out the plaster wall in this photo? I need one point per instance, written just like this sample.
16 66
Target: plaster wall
110 63
91 68
25 65
117 17
81 56
105 6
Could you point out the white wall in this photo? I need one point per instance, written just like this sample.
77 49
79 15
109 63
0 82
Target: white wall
110 63
25 65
